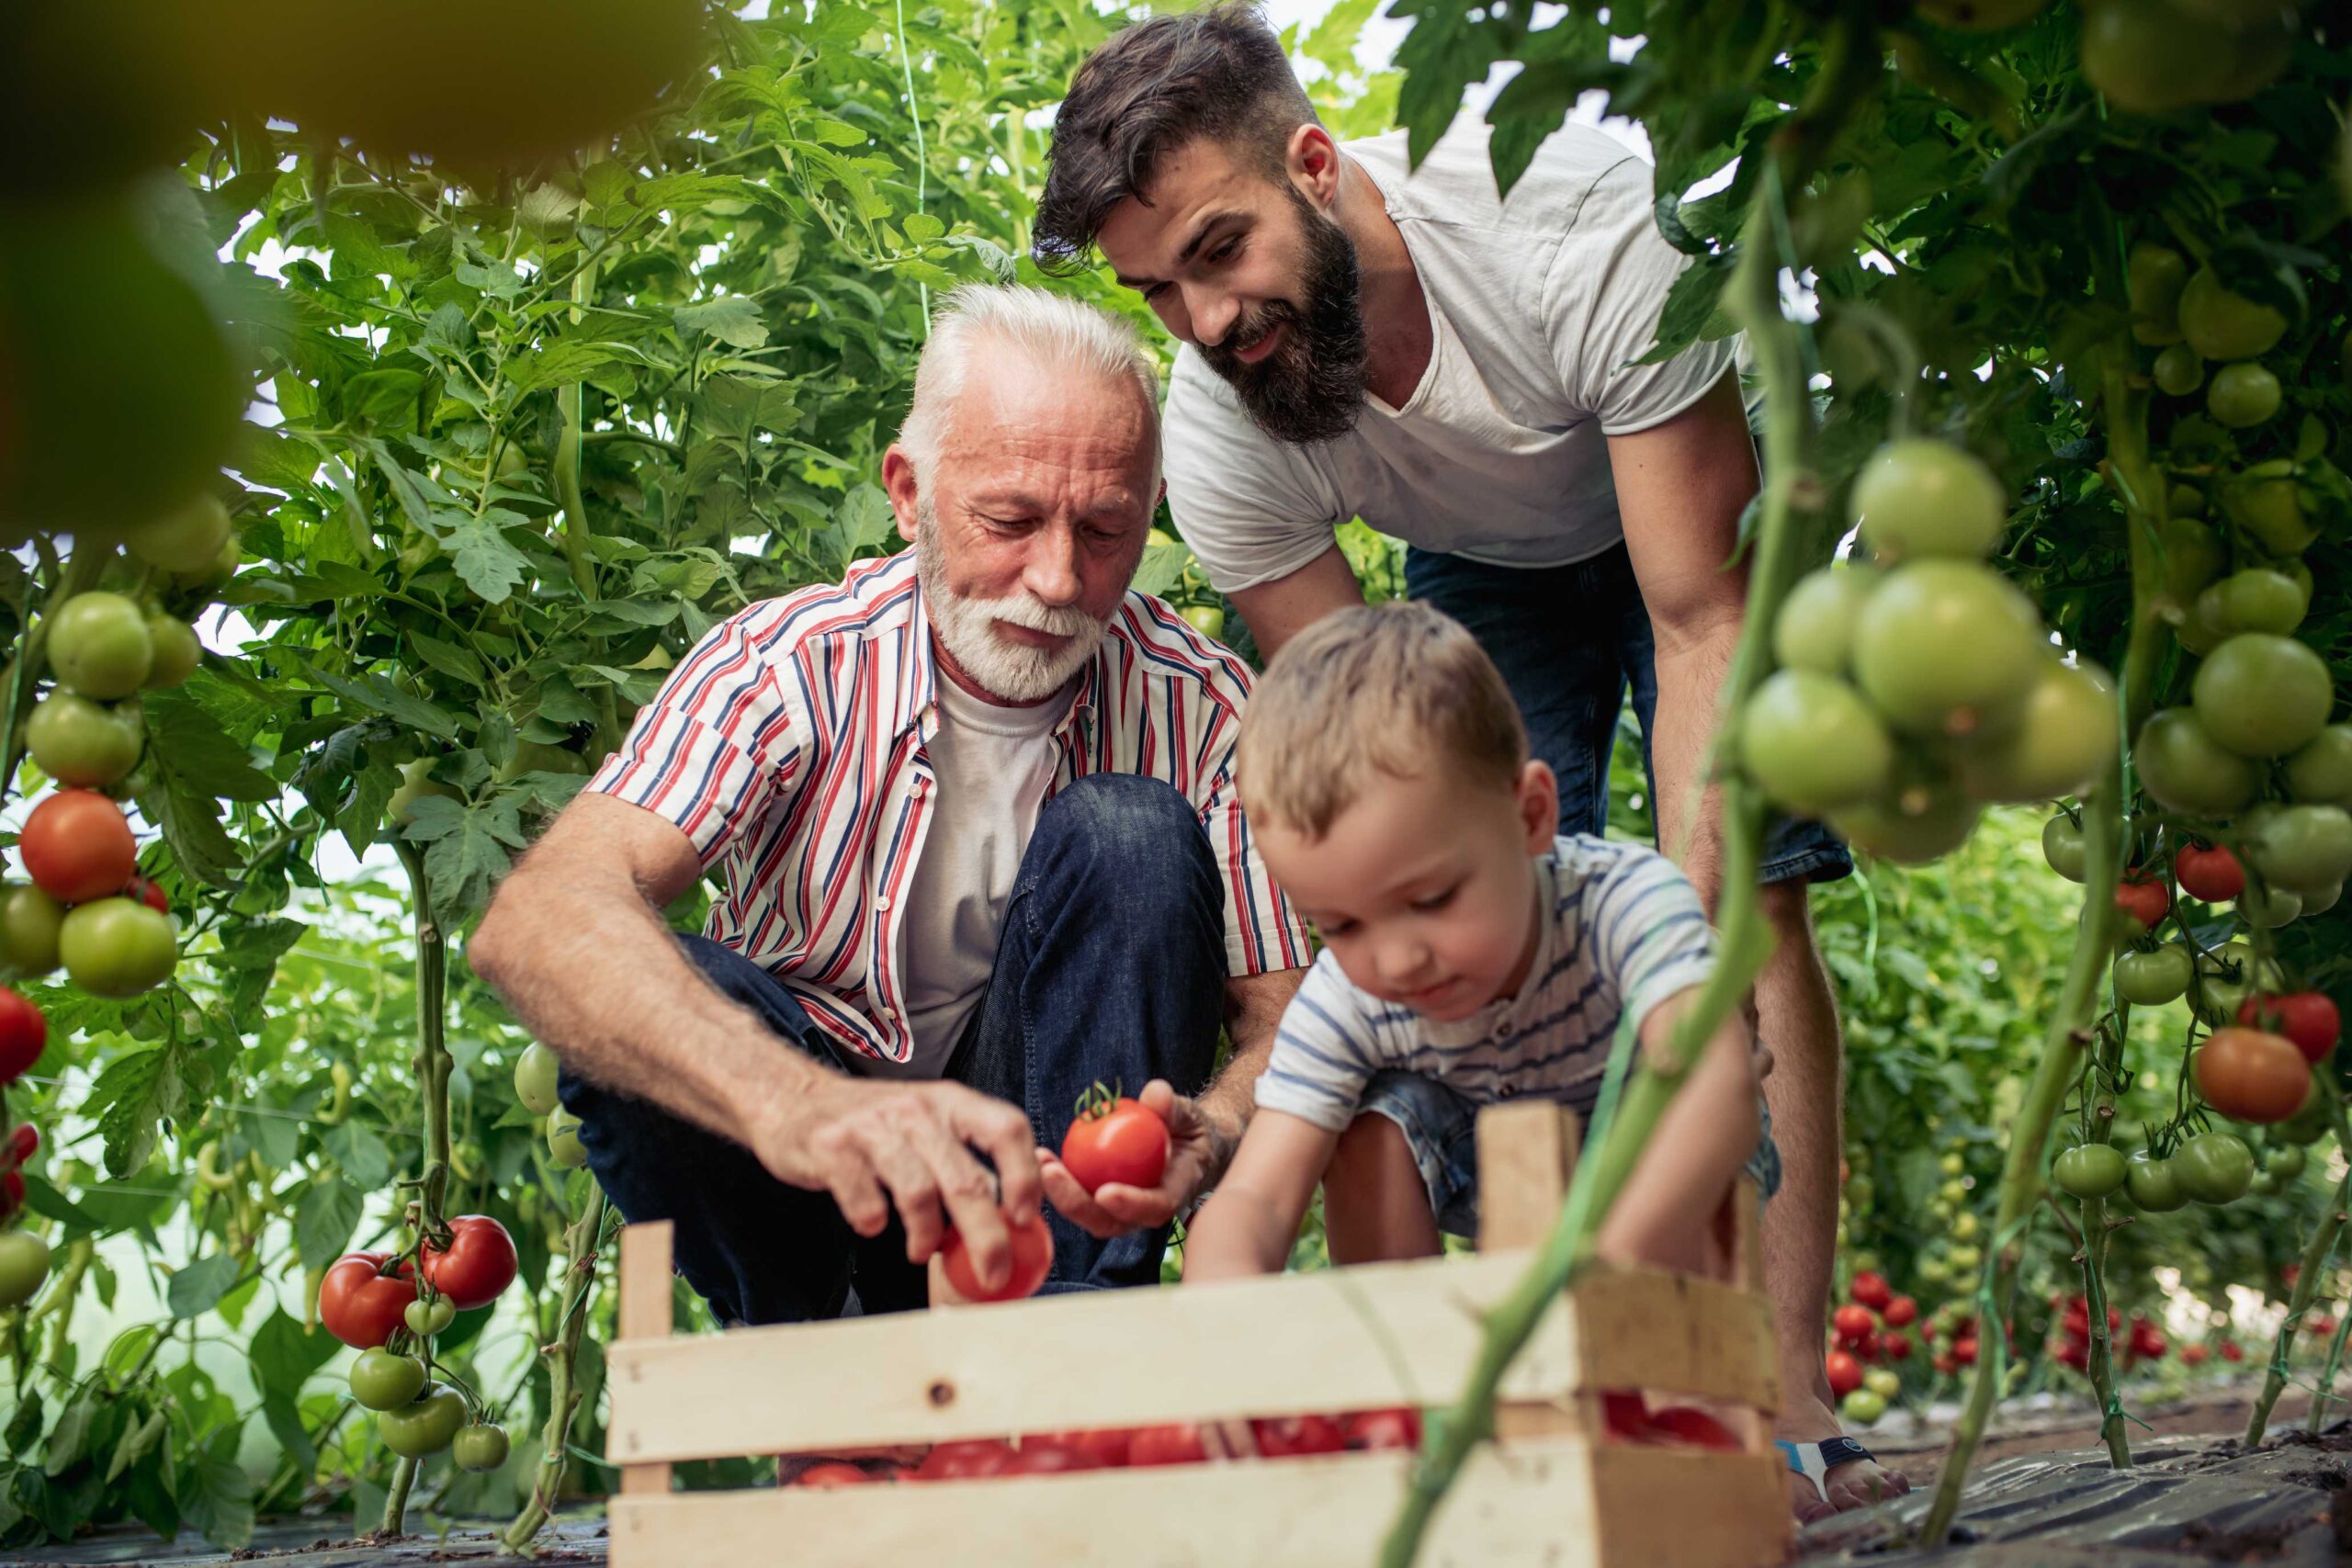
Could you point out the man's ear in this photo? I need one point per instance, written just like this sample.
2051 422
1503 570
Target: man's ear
1312 161
899 483
1539 804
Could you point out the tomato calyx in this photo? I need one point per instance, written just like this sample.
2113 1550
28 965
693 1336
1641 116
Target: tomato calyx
1099 1100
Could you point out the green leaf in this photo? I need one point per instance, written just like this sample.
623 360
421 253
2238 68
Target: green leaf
72 1431
46 1201
448 658
378 693
1162 569
324 1220
361 1151
560 362
223 1502
194 1289
190 821
921 228
733 321
478 547
190 748
132 1099
138 1441
469 849
267 456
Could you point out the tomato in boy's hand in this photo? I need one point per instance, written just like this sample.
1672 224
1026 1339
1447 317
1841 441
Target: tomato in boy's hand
1114 1139
1033 1260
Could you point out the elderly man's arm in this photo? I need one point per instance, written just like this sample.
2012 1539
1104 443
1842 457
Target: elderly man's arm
575 943
1202 1132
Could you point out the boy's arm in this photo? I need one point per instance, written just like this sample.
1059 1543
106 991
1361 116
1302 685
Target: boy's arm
1249 1223
1663 1214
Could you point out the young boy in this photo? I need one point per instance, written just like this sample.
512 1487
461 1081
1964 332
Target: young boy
1470 956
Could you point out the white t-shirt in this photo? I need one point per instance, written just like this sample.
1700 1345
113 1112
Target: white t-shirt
993 764
1538 306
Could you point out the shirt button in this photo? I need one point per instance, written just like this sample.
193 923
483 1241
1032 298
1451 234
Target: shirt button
1505 1091
881 901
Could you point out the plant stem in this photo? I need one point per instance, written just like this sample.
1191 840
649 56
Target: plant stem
432 1067
582 1243
396 1500
2315 1262
2096 1233
2325 1391
575 535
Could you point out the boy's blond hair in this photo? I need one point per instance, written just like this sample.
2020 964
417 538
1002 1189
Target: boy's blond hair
1388 687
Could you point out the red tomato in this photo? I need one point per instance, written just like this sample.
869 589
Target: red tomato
2249 1075
2309 1020
1114 1141
1176 1442
148 893
2143 900
2322 1327
359 1303
1869 1347
2208 872
12 1193
1944 1362
1871 1289
1687 1424
1396 1428
2073 1355
1628 1417
2233 1351
76 846
23 1036
2193 1355
1845 1372
1852 1323
23 1144
479 1264
1901 1312
1033 1260
1043 1455
832 1473
963 1461
1965 1352
1896 1345
1107 1446
1281 1436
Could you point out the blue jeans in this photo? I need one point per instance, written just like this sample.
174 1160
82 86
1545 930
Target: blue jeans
1569 641
1112 966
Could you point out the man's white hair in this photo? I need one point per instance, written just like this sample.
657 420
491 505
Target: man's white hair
1053 330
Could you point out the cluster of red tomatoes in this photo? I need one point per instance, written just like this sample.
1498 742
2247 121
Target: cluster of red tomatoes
1174 1442
2071 1346
371 1301
1873 1326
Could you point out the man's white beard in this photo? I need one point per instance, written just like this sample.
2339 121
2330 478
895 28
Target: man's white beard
1011 672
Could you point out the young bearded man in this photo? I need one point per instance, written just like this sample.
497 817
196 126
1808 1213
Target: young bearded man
1460 370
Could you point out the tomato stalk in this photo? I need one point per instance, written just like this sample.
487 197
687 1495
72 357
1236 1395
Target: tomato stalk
2324 1388
433 1068
2316 1252
2125 408
1753 297
582 1243
575 535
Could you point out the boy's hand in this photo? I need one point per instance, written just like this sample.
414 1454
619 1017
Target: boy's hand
1196 1148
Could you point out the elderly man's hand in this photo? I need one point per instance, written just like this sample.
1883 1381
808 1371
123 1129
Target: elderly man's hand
1197 1150
878 1145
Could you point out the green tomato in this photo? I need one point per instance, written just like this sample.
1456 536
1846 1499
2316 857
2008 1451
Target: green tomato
2220 324
2303 848
2320 773
416 781
2267 502
2178 371
29 920
2261 600
2227 976
2262 695
2153 1185
1884 1382
1863 1405
117 947
1923 497
2322 900
2184 769
1948 647
1813 744
2088 1171
2057 744
184 539
563 1140
425 1427
2288 1163
480 1448
2152 979
1932 1269
77 741
2185 499
177 651
1909 831
535 1078
212 575
426 1319
382 1381
1964 1226
1966 1259
2306 1126
1815 629
2193 557
2154 276
2213 1167
24 1265
1953 1163
2241 396
2268 910
2061 846
100 645
2264 1185
1206 619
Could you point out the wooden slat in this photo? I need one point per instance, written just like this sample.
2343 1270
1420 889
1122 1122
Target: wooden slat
1525 1153
1529 1504
645 1314
1649 1329
1382 1334
1657 1509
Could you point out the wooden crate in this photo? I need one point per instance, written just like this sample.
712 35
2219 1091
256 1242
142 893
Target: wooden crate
1546 1492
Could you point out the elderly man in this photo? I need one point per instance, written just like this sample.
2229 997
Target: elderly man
980 851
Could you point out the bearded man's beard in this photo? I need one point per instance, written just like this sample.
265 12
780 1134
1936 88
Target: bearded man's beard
1311 387
1011 672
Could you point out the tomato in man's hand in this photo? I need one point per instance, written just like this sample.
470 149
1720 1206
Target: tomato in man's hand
1033 1260
1114 1139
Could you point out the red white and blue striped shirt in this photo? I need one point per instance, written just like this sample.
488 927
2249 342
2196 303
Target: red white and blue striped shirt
789 746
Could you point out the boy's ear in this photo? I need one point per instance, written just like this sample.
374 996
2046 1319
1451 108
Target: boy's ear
1539 804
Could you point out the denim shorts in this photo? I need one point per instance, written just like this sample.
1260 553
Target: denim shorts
1572 641
1440 1126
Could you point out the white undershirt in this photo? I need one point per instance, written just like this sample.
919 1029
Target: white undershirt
993 764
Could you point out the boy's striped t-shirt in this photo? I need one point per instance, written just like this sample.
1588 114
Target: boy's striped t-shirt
1623 931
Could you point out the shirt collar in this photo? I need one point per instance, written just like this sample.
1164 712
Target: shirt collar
918 673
